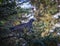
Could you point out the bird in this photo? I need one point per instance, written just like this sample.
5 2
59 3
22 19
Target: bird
27 25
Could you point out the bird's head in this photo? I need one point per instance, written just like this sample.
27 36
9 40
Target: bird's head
32 19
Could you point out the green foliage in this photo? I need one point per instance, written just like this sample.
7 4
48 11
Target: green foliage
21 10
7 9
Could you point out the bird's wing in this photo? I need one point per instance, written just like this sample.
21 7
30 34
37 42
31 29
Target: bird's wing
17 27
